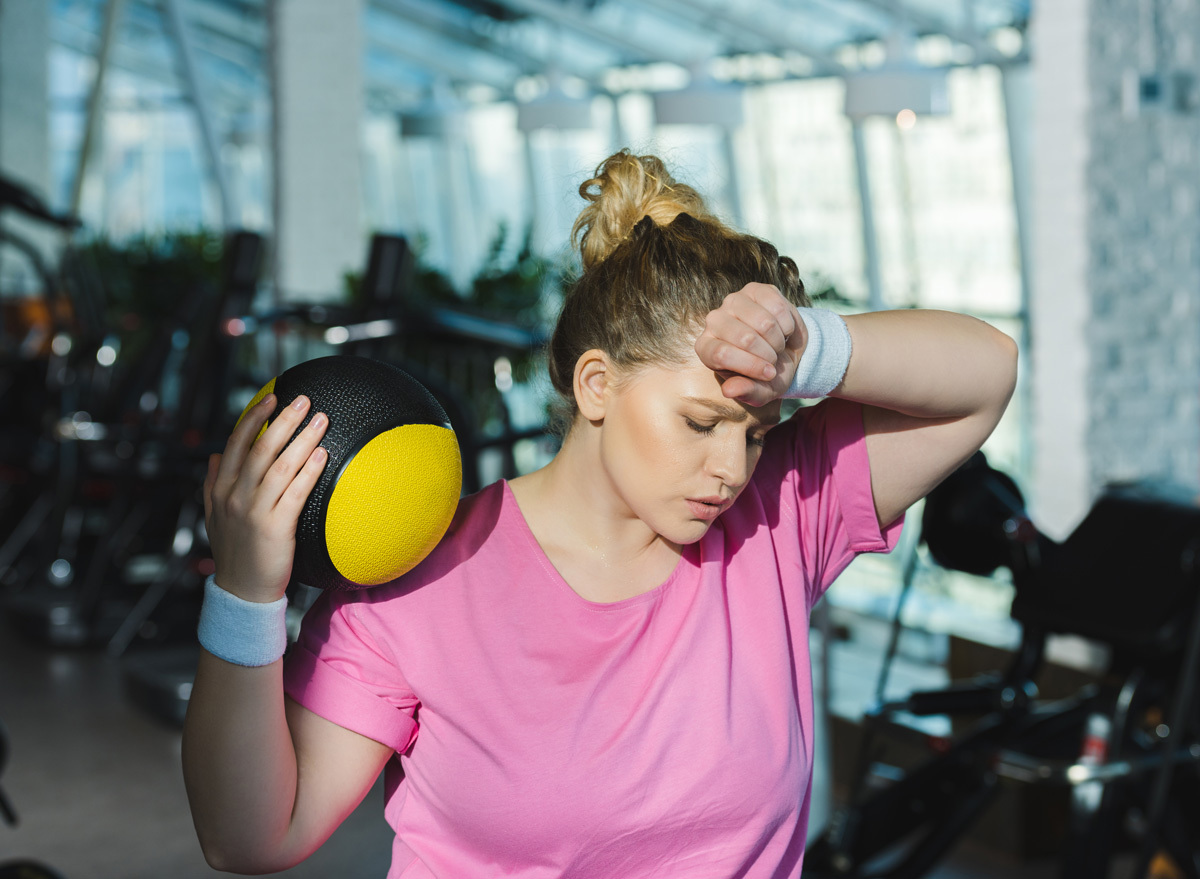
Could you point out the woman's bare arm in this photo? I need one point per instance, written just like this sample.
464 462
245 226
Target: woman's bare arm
268 781
934 383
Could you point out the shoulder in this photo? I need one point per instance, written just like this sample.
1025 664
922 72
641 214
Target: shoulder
477 515
478 524
812 438
813 425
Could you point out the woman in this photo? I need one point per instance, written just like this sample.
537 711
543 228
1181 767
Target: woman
603 668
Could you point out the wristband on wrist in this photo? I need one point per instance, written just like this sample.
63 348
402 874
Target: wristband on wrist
823 364
248 633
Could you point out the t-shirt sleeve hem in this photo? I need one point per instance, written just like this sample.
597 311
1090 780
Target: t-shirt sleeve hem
340 699
852 479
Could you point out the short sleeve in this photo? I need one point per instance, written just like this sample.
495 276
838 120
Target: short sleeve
829 481
337 670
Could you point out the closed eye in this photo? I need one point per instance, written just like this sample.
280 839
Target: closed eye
754 439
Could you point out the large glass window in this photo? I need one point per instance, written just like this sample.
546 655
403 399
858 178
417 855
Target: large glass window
149 172
800 189
456 193
941 189
941 193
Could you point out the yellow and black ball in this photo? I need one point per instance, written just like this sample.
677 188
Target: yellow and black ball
393 478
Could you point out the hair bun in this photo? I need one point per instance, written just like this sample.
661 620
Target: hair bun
624 189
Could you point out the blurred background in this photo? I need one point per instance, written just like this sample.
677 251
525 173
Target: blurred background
197 194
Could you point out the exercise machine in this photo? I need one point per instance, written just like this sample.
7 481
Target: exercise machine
22 868
124 442
1126 750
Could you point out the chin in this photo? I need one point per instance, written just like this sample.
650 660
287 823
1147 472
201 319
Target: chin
687 532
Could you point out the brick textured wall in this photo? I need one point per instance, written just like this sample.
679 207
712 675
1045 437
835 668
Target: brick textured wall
1116 298
1144 249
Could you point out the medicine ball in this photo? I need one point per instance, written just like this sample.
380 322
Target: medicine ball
391 482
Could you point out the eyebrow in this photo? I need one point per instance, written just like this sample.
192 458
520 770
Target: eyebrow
733 413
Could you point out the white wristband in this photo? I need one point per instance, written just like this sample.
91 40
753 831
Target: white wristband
823 364
248 633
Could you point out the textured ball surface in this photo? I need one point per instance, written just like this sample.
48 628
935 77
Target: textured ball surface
368 483
392 480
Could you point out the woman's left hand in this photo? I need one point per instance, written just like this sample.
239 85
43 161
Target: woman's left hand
753 342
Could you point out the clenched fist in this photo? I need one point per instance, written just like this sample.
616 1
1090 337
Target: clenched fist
753 342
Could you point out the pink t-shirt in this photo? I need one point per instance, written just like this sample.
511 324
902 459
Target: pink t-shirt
541 734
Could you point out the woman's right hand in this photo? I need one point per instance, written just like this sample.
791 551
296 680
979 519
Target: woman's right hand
253 495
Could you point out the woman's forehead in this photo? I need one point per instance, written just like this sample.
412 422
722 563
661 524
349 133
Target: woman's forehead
684 369
693 383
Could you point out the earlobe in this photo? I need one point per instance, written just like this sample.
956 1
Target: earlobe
593 377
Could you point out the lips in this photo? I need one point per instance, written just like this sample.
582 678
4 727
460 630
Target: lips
707 507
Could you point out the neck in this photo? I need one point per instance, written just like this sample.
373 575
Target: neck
578 509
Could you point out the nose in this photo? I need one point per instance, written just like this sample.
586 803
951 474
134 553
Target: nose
729 461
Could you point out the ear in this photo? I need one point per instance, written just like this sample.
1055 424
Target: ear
593 383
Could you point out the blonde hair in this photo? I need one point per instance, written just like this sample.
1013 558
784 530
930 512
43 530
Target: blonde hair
655 262
624 189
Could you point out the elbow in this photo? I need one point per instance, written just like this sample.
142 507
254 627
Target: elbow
226 859
992 380
220 859
1003 370
1009 357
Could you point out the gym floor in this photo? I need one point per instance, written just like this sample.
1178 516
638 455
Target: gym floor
98 789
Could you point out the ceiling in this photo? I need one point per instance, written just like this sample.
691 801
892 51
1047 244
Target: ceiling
496 49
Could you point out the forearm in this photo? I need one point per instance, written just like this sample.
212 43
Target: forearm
239 765
930 364
934 383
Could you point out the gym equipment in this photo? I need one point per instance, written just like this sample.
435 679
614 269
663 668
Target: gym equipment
459 360
27 870
103 537
18 869
33 364
461 374
1126 577
391 482
120 487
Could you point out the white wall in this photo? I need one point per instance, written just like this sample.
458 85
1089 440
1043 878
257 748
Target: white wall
1059 298
318 82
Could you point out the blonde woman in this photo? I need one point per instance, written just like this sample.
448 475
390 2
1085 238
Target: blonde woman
603 669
